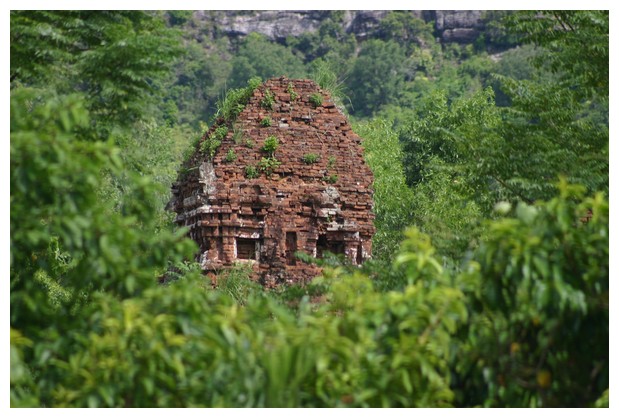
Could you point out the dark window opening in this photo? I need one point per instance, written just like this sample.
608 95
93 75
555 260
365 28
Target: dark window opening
336 247
220 248
247 249
359 254
205 247
291 248
322 245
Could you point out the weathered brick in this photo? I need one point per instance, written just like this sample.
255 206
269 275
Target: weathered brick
294 209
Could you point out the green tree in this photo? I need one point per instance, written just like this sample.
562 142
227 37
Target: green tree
404 28
518 152
330 43
56 180
186 345
116 59
67 243
495 35
258 57
377 76
576 42
393 198
199 79
539 287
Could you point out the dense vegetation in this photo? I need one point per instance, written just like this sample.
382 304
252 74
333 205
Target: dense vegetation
490 279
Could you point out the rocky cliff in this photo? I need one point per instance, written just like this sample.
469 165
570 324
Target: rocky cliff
450 25
461 26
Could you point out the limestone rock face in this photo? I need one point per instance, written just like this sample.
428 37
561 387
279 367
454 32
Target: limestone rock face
451 25
279 24
363 22
313 194
461 26
274 24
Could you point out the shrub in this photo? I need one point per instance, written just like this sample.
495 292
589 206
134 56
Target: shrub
539 287
236 282
209 146
230 156
266 122
251 172
331 162
213 141
290 90
270 145
331 179
268 165
235 100
237 134
310 158
316 99
220 133
326 78
268 100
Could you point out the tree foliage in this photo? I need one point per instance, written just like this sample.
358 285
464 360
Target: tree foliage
393 198
377 76
196 84
258 57
569 36
114 58
183 345
539 286
510 153
56 177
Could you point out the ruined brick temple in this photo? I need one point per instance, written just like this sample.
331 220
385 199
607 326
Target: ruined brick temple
286 175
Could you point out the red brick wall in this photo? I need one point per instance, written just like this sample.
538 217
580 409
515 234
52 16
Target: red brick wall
331 197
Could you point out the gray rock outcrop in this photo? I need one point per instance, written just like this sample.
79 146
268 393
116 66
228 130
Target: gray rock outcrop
461 26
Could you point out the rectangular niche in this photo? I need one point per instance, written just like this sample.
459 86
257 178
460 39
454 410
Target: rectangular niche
332 246
247 249
291 248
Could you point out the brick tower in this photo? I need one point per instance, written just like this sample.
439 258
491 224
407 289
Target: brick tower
286 175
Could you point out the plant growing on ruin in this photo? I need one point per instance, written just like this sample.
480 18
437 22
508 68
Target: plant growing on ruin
195 142
213 141
310 158
268 165
331 179
266 121
237 134
316 99
230 156
235 100
249 143
270 145
290 90
331 162
268 100
209 146
324 74
251 172
220 133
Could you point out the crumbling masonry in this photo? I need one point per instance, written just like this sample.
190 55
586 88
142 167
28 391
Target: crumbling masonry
247 203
